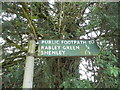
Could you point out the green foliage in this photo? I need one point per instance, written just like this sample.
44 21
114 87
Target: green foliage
71 82
66 20
13 76
107 63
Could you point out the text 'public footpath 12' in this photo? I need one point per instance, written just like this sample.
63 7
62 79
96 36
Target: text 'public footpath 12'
68 48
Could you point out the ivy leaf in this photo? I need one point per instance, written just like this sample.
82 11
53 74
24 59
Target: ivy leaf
34 17
114 71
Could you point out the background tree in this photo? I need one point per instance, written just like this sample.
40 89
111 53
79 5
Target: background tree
66 20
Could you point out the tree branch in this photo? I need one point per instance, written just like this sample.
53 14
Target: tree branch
25 11
5 65
16 45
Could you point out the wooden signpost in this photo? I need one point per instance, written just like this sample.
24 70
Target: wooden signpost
64 48
52 48
29 66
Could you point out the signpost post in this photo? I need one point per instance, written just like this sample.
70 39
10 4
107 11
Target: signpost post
29 66
64 48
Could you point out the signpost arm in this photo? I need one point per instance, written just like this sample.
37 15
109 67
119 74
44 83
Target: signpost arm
29 66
